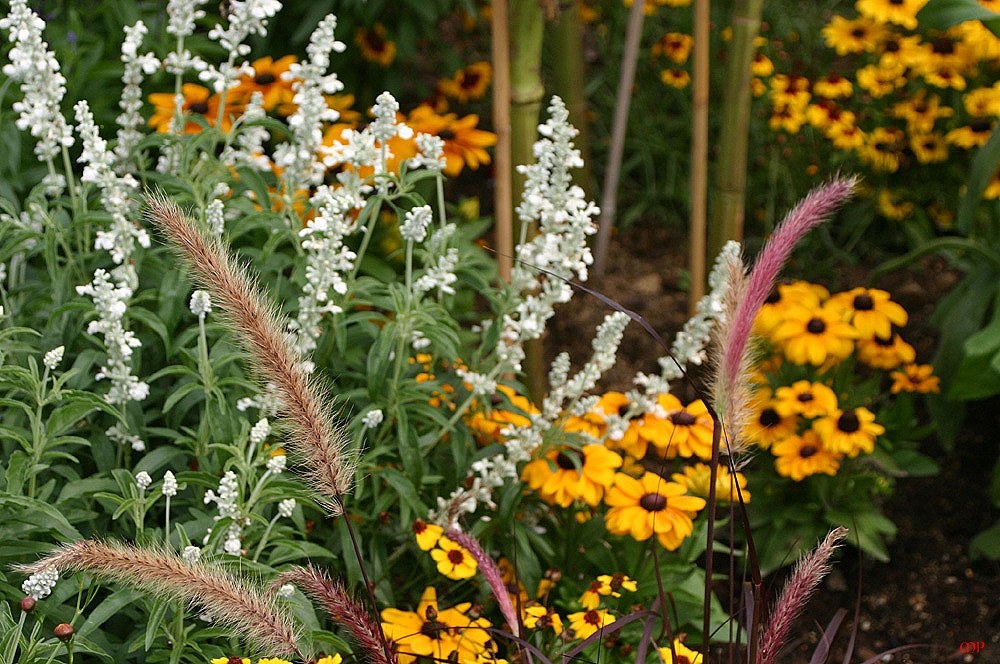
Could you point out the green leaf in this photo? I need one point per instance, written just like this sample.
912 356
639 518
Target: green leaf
943 14
107 609
79 405
986 544
984 165
18 469
41 515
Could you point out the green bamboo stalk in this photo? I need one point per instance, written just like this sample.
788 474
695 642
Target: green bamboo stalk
503 207
527 28
729 189
569 82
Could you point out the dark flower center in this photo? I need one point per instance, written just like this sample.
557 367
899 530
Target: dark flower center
653 502
565 460
891 46
199 107
266 78
455 557
848 422
885 342
592 617
622 409
979 125
447 134
863 303
806 397
858 33
683 418
773 297
807 451
816 326
435 629
470 80
944 45
769 417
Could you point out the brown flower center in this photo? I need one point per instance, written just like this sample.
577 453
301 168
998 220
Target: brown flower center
565 459
807 451
683 418
816 326
653 502
199 107
848 422
769 417
267 78
864 303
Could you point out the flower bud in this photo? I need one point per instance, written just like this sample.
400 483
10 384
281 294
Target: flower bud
63 632
28 603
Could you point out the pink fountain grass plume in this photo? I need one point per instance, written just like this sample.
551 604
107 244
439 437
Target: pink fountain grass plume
811 211
807 575
344 610
491 572
229 599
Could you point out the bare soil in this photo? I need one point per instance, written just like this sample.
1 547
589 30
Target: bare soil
930 593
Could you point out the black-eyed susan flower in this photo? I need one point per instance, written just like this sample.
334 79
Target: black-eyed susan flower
472 82
678 430
435 633
833 86
269 78
427 534
675 78
536 616
853 35
566 475
813 336
766 425
805 398
880 79
900 12
870 310
885 352
698 477
973 135
606 585
891 205
453 560
801 456
849 432
761 65
585 623
374 45
651 505
982 102
945 76
915 378
796 293
675 46
929 148
920 112
197 100
681 652
508 408
464 144
883 149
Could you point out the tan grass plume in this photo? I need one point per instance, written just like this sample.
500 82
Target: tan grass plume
327 460
229 600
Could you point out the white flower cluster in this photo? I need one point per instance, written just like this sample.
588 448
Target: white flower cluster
298 157
143 480
40 584
441 261
227 502
53 358
42 84
182 15
169 484
109 300
286 507
201 304
480 385
245 18
564 219
119 434
415 223
327 260
247 149
370 146
372 418
260 431
276 464
137 67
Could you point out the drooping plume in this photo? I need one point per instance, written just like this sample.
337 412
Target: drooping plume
328 465
229 600
811 211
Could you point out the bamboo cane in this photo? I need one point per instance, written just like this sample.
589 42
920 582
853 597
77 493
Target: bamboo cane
697 225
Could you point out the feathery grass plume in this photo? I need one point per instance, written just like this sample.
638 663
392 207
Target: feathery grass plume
729 400
811 211
491 573
807 575
229 599
327 462
344 610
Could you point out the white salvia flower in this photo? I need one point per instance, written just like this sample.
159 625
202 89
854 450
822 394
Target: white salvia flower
233 546
137 67
40 584
42 85
415 223
191 553
286 507
201 303
248 147
439 273
118 434
372 418
53 358
479 384
246 17
311 83
419 341
260 431
182 15
286 590
215 217
143 480
430 152
169 484
384 114
276 464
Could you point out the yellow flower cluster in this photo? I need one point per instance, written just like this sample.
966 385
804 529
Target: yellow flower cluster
454 634
804 424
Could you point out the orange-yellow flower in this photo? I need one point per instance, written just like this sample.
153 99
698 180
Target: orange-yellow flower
268 79
684 431
453 560
915 378
469 83
674 45
198 100
849 432
813 336
374 45
585 623
567 475
651 505
464 145
805 398
698 478
801 456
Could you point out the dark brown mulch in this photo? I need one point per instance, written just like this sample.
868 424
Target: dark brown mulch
930 593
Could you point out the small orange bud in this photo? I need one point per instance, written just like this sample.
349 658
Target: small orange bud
28 603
